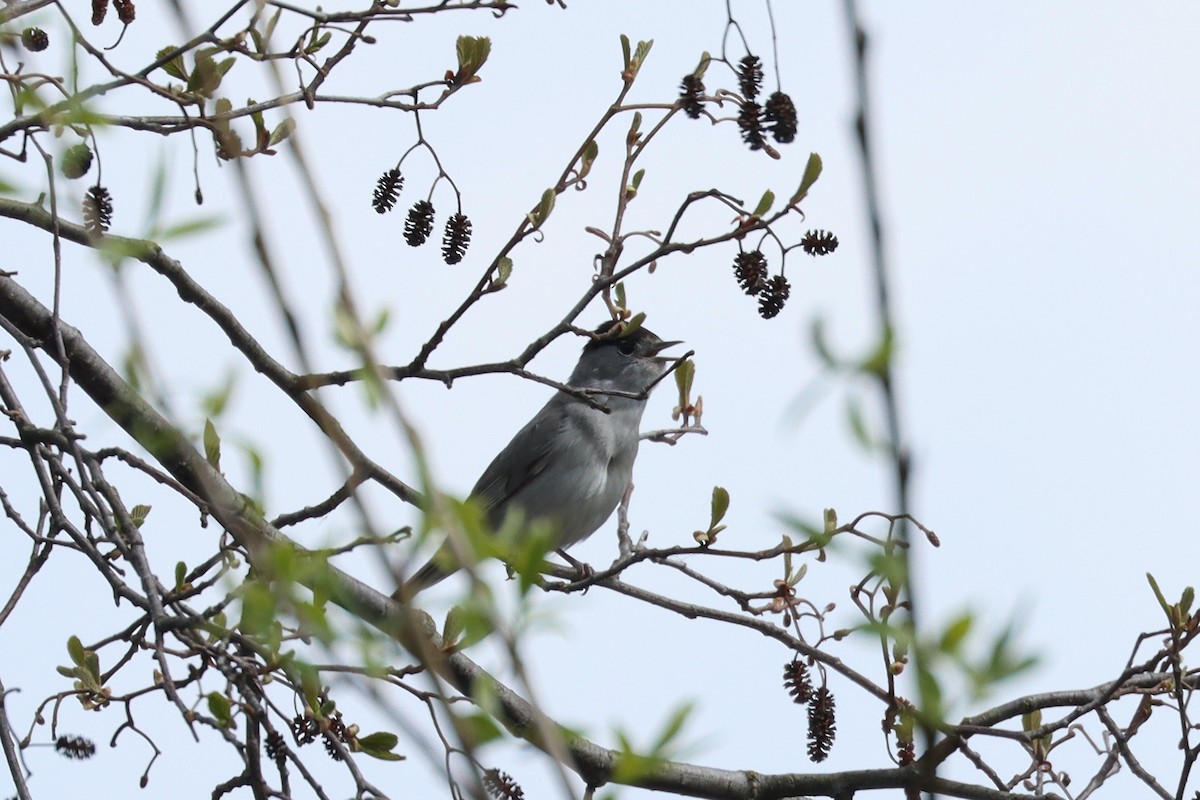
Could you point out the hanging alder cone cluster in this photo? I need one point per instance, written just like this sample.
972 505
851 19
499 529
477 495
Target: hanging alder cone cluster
819 243
753 276
75 747
755 279
387 190
34 40
126 11
777 118
419 223
97 210
500 786
822 722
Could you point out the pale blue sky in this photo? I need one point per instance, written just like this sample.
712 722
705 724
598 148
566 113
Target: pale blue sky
1040 176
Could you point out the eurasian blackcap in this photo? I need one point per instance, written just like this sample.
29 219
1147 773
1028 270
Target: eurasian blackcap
571 464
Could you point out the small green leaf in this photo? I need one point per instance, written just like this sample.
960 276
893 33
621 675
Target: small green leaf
625 50
380 745
479 729
270 29
188 227
634 65
1162 601
764 204
220 708
282 131
590 151
212 444
180 574
830 520
685 374
472 52
539 215
637 178
820 345
453 627
77 651
175 67
316 44
812 171
621 295
858 424
720 504
705 60
878 361
955 634
381 322
504 269
139 513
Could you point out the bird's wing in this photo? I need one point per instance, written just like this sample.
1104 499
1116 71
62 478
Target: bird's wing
523 459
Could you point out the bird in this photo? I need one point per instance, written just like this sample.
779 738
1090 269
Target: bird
572 463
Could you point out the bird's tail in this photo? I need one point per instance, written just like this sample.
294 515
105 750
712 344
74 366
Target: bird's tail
425 577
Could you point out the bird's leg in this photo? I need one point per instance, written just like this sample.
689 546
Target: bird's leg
624 543
585 570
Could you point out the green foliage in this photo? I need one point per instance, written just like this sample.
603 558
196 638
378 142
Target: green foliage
221 709
472 53
1179 615
504 268
587 158
812 171
764 204
86 672
540 214
378 745
633 61
638 764
212 444
718 506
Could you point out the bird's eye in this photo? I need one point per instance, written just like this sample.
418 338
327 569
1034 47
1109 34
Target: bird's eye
627 346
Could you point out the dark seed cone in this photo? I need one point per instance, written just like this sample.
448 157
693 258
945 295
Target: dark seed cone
773 296
750 119
501 786
822 725
97 210
99 9
750 76
76 161
419 224
819 243
305 729
276 748
387 190
750 269
331 748
456 239
75 747
690 92
125 10
34 40
780 116
797 681
906 753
